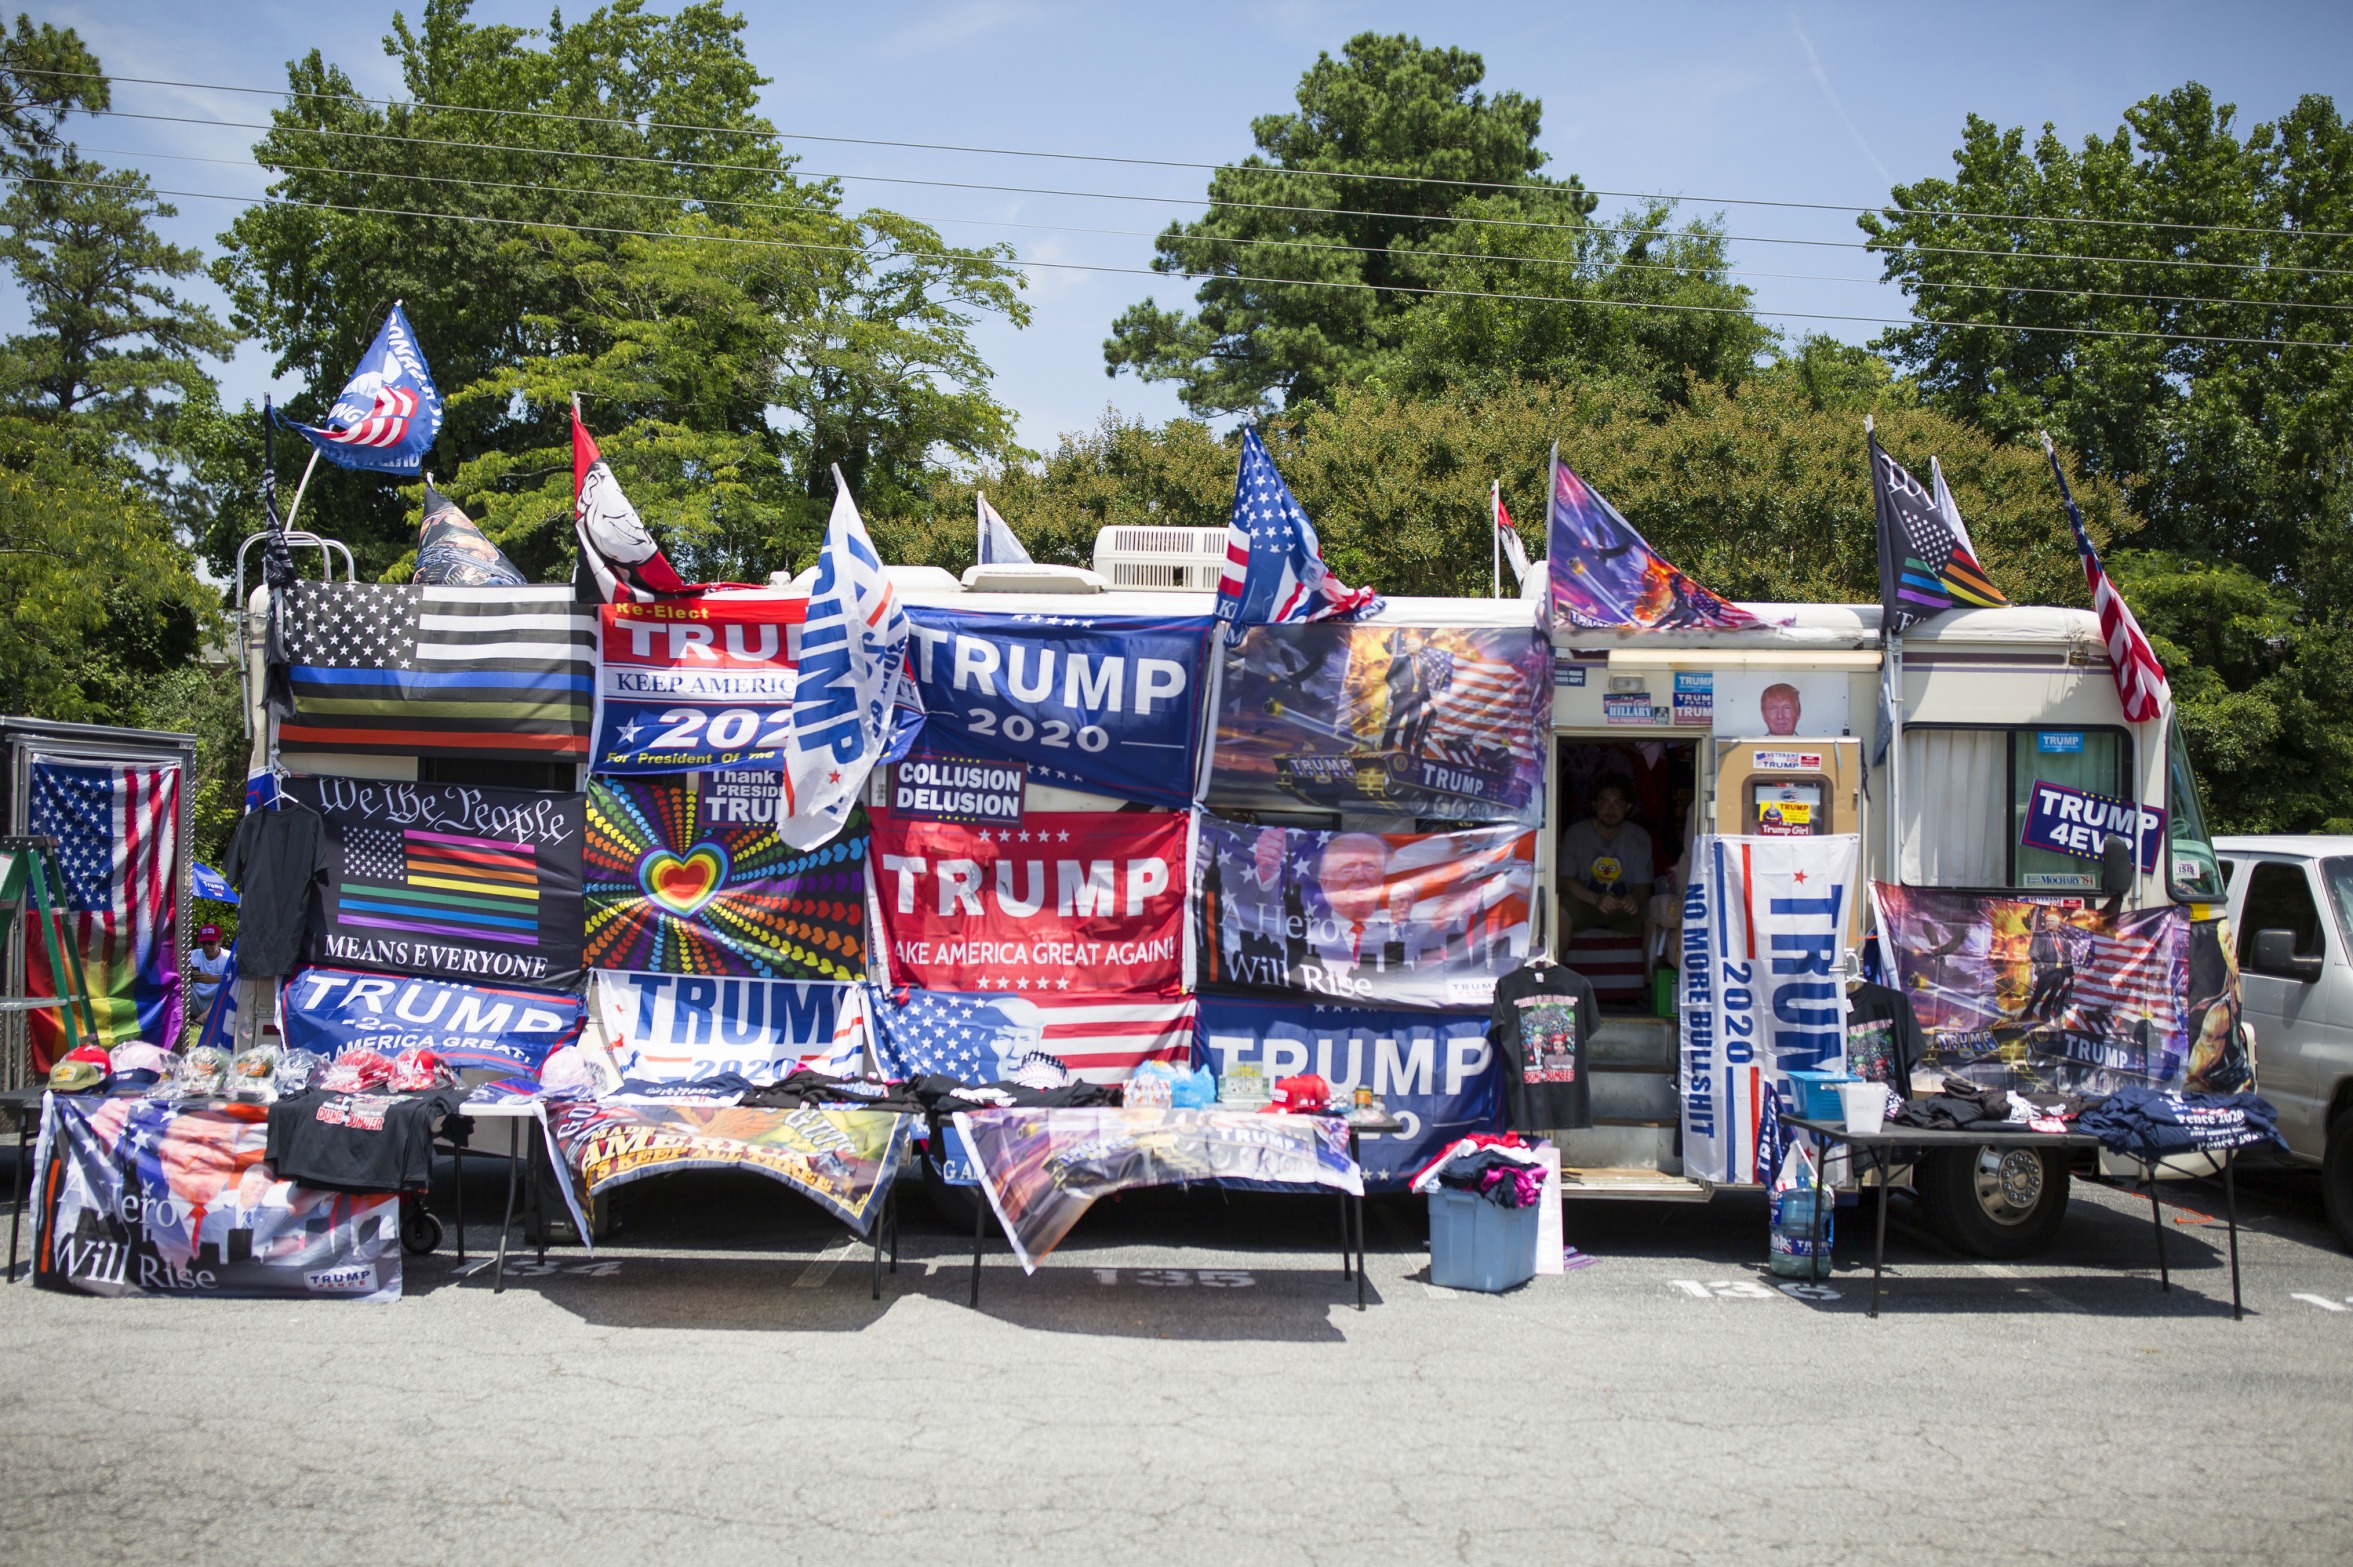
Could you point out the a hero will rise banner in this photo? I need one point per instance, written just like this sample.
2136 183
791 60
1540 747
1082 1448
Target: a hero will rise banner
1069 901
151 1199
1110 704
1412 919
2020 993
1421 720
1434 1071
1763 986
696 683
448 880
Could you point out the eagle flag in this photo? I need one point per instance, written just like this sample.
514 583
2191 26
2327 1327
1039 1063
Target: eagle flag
1606 576
1926 562
388 413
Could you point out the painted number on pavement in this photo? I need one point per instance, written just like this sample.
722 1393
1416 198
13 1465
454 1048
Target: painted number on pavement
1750 1289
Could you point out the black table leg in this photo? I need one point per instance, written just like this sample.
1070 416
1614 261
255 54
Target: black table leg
893 1211
1346 1244
16 1214
880 1219
1814 1268
2230 1199
1358 1204
2157 1217
457 1173
498 1274
980 1214
539 1202
1879 1239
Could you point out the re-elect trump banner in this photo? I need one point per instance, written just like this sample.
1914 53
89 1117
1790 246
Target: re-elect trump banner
149 1198
449 880
696 683
1110 704
684 1026
1411 919
1434 1071
480 1027
1415 720
1763 986
2041 993
1069 901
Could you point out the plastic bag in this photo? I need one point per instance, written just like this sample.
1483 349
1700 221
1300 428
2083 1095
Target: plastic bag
253 1073
299 1071
204 1072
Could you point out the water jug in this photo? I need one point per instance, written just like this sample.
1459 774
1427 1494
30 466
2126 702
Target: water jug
1793 1255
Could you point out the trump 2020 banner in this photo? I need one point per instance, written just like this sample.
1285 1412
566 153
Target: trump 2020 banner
2044 993
686 877
677 1027
692 683
1110 704
1069 901
149 1198
1764 986
1418 720
479 1027
1409 919
1434 1071
448 880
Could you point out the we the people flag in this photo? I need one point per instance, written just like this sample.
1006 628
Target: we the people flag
1043 1169
684 1026
150 1198
1434 1071
841 1160
388 413
1414 720
683 879
118 833
851 670
472 1027
394 669
448 880
1110 704
2028 993
1068 901
696 683
981 1038
1383 919
1763 986
1605 575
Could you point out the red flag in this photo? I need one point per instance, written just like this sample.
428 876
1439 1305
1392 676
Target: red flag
615 547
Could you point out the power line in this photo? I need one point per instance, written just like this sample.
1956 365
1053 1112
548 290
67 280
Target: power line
1872 247
1078 266
1217 239
1531 187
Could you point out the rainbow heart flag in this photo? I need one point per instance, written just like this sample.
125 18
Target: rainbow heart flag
686 875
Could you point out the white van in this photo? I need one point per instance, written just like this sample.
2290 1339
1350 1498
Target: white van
2291 912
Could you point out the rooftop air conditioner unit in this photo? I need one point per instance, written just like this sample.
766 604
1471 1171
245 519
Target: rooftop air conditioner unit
1184 559
1028 578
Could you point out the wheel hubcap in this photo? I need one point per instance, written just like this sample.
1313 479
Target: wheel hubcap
2009 1183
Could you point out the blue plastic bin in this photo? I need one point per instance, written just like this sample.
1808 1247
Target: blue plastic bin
1479 1245
1817 1094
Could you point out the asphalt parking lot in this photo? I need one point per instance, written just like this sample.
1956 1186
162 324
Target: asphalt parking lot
1186 1380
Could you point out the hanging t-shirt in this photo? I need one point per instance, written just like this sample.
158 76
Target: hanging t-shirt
276 855
363 1142
1542 1016
1883 1038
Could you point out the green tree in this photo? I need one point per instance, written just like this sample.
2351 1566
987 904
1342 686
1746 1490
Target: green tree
600 209
2175 224
1343 250
46 72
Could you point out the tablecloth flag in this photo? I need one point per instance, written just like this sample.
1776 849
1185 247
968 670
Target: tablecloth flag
616 551
1275 569
2140 679
853 658
388 413
1606 576
1926 562
998 545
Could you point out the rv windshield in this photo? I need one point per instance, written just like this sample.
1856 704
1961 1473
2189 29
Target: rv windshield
2193 871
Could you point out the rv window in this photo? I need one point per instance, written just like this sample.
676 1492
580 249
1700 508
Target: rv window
2190 857
1964 800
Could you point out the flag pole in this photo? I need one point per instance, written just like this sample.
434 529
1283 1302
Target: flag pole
1494 538
980 527
295 509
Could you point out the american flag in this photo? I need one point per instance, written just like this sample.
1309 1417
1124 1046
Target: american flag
2127 976
1482 700
118 835
1275 568
980 1038
2140 679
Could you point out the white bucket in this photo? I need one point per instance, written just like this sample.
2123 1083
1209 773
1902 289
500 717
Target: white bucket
1865 1105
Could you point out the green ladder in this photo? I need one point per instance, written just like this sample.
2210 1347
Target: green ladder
28 870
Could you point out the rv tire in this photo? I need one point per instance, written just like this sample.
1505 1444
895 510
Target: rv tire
1997 1203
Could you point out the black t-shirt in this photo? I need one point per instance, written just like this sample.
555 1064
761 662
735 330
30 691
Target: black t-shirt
1883 1039
363 1142
276 855
1542 1016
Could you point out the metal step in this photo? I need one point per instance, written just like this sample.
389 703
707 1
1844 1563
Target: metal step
1631 1041
1645 1094
1638 1147
1642 1185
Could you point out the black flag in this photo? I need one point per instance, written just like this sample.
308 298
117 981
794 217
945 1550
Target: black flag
1926 565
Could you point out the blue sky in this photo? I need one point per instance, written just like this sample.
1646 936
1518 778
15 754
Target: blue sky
1813 102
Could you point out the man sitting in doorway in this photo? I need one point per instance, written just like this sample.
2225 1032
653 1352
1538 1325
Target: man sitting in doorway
1606 875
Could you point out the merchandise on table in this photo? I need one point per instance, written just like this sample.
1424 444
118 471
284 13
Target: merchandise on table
152 1198
2150 1125
1542 1017
360 1140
